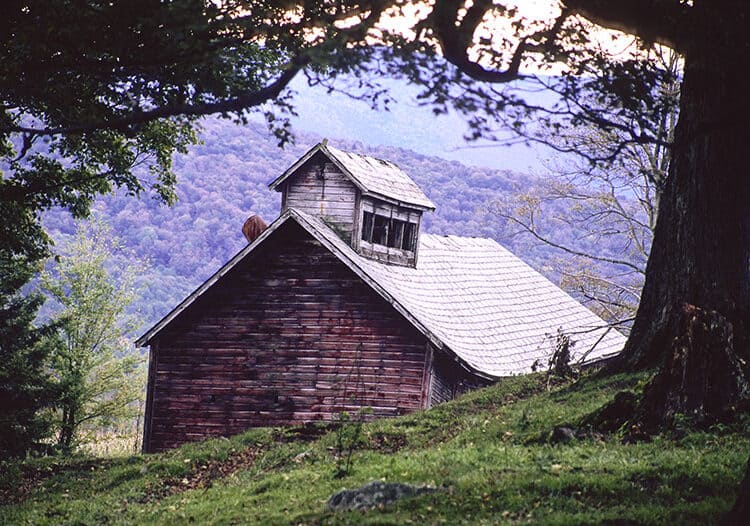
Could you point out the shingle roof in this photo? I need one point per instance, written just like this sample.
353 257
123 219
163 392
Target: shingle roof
483 303
469 296
372 176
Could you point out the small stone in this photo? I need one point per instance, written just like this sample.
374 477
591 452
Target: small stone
302 456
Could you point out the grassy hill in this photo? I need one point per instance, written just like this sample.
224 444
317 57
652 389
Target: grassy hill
488 454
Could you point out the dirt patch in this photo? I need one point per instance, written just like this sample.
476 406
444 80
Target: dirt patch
387 442
646 482
30 479
303 433
202 475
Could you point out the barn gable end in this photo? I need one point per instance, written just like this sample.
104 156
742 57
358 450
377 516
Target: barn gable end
290 335
319 187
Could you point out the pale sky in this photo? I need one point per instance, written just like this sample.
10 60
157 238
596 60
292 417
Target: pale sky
534 11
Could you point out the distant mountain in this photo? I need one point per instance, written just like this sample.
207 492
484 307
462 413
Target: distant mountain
224 179
411 125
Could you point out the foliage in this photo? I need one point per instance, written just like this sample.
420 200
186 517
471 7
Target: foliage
99 371
89 91
62 64
484 452
26 389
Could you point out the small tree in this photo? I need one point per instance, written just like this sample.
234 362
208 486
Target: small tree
559 362
99 370
26 389
349 428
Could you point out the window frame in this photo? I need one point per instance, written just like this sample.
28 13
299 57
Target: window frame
389 232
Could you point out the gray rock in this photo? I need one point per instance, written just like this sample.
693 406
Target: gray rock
562 435
374 494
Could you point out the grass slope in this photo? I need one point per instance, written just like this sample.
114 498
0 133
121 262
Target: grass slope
486 452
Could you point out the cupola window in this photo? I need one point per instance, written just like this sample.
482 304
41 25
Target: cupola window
388 232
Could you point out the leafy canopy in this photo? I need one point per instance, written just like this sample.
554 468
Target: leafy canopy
91 90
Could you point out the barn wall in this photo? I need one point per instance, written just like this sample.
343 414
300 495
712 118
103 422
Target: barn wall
290 335
319 188
448 379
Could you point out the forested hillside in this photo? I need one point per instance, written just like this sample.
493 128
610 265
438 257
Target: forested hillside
224 179
411 124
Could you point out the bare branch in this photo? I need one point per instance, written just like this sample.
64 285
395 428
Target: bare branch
531 230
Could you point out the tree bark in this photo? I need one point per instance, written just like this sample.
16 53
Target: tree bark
694 315
701 248
701 378
739 515
65 439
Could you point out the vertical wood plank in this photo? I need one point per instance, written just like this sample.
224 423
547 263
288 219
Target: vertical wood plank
153 356
427 377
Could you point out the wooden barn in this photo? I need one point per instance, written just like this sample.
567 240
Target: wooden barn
341 303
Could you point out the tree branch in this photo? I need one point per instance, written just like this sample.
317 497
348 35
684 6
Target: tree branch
126 123
455 39
665 22
531 230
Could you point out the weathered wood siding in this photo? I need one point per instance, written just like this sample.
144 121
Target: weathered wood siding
449 380
320 188
289 335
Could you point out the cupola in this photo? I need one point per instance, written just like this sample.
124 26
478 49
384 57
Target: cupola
371 203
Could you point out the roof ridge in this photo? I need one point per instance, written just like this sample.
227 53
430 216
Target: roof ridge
376 177
477 240
360 154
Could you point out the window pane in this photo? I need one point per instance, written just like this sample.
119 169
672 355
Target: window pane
367 227
410 237
396 233
380 230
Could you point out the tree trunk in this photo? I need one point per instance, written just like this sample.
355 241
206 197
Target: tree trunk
701 250
739 515
65 439
701 377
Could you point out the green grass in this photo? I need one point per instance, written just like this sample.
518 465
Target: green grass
486 452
